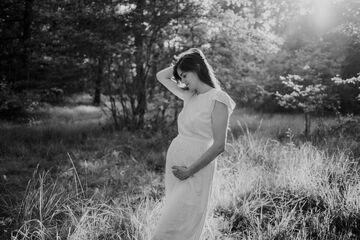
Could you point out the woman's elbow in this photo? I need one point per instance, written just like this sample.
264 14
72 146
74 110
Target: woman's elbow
158 76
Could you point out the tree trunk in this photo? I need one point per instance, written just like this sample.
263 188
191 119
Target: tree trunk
140 79
307 124
25 38
98 81
256 14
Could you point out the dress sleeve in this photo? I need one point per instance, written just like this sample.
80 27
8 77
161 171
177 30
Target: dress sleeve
223 97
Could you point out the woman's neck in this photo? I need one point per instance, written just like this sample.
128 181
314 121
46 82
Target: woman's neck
203 89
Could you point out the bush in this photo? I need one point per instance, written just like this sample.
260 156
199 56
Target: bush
343 134
10 103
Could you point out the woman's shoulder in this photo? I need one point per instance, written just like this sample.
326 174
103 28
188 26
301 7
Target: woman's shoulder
222 96
220 92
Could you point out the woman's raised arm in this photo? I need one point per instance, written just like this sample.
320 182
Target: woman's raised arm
164 77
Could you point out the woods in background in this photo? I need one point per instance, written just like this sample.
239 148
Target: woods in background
114 48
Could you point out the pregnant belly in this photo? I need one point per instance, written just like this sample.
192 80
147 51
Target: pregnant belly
185 150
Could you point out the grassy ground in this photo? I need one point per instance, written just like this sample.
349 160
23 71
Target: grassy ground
73 178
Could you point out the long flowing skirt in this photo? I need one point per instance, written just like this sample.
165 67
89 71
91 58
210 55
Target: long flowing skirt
186 202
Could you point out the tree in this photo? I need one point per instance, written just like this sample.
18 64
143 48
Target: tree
238 43
310 98
354 81
131 67
16 18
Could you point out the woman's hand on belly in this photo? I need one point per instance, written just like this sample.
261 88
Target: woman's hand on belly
181 172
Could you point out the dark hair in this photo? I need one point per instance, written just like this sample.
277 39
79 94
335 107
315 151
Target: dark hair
193 60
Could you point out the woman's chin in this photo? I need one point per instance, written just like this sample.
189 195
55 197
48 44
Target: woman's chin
188 88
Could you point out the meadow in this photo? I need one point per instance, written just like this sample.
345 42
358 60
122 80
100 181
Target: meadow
72 176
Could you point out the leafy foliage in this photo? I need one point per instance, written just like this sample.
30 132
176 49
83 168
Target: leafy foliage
113 49
350 81
309 98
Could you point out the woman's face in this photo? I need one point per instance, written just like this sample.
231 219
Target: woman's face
190 79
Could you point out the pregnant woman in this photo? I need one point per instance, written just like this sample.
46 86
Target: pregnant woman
191 156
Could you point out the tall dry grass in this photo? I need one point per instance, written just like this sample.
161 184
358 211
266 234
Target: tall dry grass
264 188
268 190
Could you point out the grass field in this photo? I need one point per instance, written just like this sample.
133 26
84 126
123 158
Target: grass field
72 176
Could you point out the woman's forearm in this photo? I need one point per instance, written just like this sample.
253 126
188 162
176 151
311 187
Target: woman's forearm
206 158
165 73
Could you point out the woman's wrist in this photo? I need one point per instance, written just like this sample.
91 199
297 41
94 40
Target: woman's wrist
191 171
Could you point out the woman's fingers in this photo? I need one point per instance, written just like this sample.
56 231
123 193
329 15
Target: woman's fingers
179 172
178 167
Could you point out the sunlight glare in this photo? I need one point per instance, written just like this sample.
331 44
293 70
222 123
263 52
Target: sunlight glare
322 12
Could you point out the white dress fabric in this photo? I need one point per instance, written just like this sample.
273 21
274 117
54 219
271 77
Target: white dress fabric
186 202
